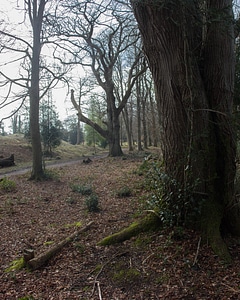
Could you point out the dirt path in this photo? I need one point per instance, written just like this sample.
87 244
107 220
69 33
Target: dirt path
53 164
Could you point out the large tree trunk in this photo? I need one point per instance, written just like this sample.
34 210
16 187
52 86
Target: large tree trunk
114 134
218 74
194 83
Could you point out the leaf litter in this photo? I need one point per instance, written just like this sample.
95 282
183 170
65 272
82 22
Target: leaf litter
156 265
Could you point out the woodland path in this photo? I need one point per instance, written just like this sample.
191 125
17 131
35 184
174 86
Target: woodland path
52 164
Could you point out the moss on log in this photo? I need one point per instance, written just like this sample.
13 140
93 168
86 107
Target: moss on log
148 223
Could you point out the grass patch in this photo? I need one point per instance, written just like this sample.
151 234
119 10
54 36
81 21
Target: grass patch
16 265
75 224
51 175
7 185
82 189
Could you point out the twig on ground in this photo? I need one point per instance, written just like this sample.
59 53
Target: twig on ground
196 256
144 261
99 290
237 291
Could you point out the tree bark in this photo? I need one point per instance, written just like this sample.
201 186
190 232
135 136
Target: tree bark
153 120
192 67
113 128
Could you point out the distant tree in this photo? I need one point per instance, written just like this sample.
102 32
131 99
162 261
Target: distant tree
96 114
70 130
16 123
50 125
51 136
84 89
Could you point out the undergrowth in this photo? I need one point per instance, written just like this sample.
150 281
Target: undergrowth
174 203
82 189
124 192
92 203
7 185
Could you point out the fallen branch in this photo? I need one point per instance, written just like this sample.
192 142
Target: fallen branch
40 260
234 290
196 256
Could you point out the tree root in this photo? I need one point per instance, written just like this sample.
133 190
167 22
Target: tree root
211 223
149 222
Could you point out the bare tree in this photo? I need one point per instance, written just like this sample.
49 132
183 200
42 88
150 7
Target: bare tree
36 76
97 35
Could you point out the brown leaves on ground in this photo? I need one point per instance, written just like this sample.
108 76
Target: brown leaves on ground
167 264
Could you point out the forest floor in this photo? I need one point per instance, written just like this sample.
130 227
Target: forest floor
170 264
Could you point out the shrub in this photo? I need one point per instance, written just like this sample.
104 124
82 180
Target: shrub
7 185
124 192
92 203
82 189
51 175
175 204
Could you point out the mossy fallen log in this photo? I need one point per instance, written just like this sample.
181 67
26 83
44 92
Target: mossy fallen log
150 222
40 260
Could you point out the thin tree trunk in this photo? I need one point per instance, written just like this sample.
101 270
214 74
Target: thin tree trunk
144 123
78 132
37 15
154 126
128 129
139 123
